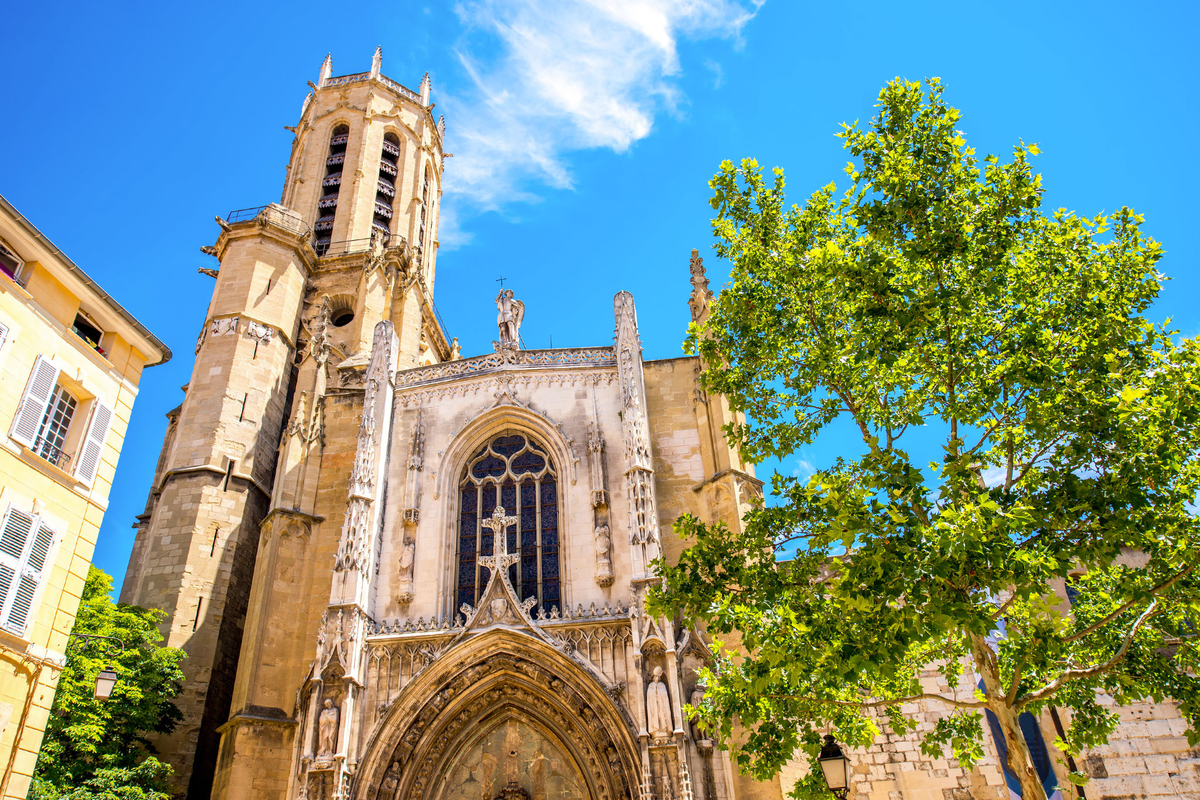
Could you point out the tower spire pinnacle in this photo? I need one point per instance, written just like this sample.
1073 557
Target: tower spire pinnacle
425 87
326 70
377 62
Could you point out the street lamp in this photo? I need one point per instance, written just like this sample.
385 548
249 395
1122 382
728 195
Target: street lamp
835 768
106 679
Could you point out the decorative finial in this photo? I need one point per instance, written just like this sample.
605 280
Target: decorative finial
377 62
701 296
441 127
425 87
326 70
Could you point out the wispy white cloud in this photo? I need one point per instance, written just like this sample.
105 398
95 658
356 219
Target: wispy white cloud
548 77
718 72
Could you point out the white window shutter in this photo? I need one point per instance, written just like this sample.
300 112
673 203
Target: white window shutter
31 580
93 445
3 333
14 539
28 420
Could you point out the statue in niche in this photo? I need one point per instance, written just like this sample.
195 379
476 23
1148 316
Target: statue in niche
327 728
407 556
658 707
696 699
510 313
392 779
604 568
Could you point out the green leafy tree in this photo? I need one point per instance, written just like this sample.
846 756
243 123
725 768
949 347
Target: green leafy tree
98 750
935 306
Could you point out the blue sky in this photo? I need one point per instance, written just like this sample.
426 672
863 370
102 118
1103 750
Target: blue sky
584 135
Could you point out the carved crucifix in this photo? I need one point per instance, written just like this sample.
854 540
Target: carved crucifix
501 558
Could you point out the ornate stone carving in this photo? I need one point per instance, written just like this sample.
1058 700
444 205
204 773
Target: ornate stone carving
259 332
510 313
658 707
318 328
455 350
701 296
590 356
354 549
604 567
407 556
639 475
327 730
200 338
220 327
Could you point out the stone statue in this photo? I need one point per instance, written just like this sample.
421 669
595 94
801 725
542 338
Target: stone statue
510 313
696 699
455 350
604 569
658 707
407 555
327 728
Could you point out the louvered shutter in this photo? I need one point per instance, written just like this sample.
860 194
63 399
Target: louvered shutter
28 419
31 578
14 538
93 446
3 333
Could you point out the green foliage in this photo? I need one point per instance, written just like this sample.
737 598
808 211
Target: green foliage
935 301
98 749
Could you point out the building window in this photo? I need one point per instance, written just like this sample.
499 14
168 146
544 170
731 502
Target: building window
11 264
331 185
25 543
52 436
385 186
424 212
514 472
89 331
43 423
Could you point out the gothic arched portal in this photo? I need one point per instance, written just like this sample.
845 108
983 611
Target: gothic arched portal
496 708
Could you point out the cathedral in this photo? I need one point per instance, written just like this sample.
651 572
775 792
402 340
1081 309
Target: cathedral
399 572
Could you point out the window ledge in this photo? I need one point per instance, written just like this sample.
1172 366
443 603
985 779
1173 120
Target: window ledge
58 473
11 285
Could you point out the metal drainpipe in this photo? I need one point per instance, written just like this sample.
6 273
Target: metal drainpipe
1058 727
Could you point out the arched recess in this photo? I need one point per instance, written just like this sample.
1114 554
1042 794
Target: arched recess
515 417
475 688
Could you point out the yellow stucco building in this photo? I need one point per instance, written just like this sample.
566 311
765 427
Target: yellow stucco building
71 359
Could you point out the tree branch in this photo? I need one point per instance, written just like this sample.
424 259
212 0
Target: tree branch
1087 672
880 703
1162 587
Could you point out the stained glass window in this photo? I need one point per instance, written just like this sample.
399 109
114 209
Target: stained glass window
514 472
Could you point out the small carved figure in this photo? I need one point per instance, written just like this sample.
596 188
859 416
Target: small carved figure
455 350
510 313
407 556
696 699
658 707
327 728
604 569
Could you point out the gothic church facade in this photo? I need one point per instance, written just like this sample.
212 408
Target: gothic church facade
398 572
401 574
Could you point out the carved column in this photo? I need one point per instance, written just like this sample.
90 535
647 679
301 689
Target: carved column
602 531
639 472
412 510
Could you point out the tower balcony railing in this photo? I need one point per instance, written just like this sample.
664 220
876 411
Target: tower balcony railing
345 247
344 80
273 213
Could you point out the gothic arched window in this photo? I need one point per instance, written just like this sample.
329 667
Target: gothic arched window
331 185
515 472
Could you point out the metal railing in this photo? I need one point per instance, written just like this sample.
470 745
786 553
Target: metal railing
52 453
274 213
344 247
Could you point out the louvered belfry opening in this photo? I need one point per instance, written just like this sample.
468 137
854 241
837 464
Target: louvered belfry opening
424 212
330 186
385 187
515 472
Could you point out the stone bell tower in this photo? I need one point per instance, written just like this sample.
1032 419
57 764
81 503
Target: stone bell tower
271 409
